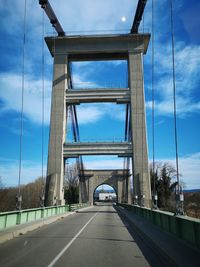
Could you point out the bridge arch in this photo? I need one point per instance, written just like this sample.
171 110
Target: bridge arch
95 191
115 178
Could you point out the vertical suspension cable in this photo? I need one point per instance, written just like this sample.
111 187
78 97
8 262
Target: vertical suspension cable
174 95
43 190
55 114
22 109
125 158
143 113
153 106
138 189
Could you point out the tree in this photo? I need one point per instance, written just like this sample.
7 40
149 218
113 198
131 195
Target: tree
1 182
162 179
32 192
71 184
30 195
192 204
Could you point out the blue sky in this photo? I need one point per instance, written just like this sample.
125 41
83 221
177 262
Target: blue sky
99 121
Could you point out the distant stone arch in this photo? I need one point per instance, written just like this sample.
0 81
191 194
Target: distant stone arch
117 178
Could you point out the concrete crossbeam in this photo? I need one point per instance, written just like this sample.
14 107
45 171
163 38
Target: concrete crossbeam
73 150
84 47
77 96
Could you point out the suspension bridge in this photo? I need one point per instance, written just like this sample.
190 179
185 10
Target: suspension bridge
130 232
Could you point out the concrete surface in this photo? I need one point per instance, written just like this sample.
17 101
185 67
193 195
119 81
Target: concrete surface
97 236
55 166
77 96
138 125
89 47
73 150
178 252
115 178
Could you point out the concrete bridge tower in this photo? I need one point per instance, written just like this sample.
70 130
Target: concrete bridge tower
66 49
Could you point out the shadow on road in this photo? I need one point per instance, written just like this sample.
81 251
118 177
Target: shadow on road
147 247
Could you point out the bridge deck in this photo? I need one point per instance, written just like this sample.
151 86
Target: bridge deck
98 236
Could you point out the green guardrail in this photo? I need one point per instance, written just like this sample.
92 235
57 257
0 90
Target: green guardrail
13 218
185 228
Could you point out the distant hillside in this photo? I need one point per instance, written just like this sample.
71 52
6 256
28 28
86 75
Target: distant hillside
105 191
191 190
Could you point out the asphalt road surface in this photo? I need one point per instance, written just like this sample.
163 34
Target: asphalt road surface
94 237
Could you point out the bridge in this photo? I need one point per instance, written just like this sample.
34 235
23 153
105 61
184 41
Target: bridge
102 235
128 232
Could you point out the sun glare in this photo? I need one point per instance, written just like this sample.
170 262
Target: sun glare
123 19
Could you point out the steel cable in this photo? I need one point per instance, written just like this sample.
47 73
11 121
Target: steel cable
19 197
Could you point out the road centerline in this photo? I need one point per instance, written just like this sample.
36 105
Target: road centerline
52 263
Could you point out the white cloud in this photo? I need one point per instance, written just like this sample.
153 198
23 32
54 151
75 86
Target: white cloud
187 80
190 169
10 93
89 114
96 15
93 112
84 74
184 106
80 81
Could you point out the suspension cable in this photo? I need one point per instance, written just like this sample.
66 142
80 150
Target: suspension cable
126 122
75 128
126 161
19 198
153 105
43 190
55 115
143 113
174 100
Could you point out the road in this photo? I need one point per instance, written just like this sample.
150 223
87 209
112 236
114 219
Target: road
97 236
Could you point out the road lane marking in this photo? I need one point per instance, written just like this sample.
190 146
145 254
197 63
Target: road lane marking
70 243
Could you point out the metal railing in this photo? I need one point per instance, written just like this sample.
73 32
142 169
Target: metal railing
185 228
14 218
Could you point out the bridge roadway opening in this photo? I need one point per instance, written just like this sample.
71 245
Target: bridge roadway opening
96 236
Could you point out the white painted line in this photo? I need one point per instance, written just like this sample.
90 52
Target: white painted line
70 243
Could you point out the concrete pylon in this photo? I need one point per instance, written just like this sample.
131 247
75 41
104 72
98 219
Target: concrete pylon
141 178
66 49
55 168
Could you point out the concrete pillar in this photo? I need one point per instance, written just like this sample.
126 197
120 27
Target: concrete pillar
85 187
128 190
141 178
55 168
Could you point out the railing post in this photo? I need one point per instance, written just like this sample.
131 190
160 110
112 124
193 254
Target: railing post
5 224
42 213
18 217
